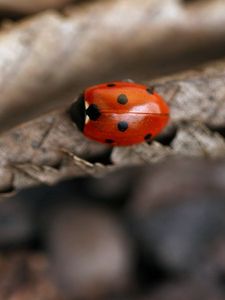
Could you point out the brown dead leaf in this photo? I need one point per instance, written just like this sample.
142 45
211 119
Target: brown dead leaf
44 151
30 6
48 58
195 139
139 154
51 148
196 95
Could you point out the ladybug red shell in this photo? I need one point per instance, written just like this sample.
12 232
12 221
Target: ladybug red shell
120 113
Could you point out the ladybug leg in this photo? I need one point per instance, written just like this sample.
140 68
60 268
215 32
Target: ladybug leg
151 89
149 141
148 138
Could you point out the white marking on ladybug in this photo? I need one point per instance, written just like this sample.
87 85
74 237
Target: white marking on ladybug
87 119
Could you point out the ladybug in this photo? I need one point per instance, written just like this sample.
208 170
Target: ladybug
120 113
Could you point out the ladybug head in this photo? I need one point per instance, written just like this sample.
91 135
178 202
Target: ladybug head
77 112
81 112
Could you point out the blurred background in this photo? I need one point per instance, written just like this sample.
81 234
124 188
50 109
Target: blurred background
81 220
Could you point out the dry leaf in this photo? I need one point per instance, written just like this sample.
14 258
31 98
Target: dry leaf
195 139
51 148
30 6
46 150
196 95
140 154
48 58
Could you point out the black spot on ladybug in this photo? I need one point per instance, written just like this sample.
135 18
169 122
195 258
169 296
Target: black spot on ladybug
109 141
111 85
122 99
77 112
93 112
122 126
150 90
